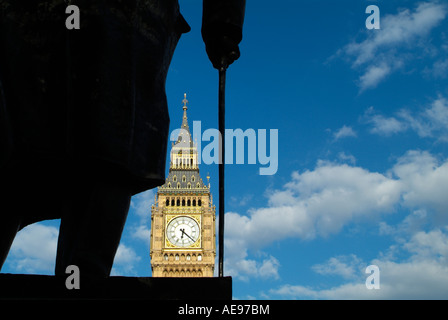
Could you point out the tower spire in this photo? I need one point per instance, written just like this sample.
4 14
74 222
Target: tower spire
186 129
183 152
185 101
184 118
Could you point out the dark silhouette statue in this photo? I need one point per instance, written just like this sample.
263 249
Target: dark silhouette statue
83 114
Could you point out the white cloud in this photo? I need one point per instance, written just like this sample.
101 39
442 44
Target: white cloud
377 56
349 291
125 255
141 207
402 28
34 249
315 203
424 275
125 260
344 132
386 126
322 201
237 263
344 157
141 204
437 114
431 122
424 180
269 268
141 232
347 267
439 70
241 200
432 245
374 75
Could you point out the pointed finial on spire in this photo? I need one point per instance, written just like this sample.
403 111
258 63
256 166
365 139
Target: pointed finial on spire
185 101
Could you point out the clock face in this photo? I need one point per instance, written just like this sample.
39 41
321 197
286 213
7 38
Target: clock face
182 231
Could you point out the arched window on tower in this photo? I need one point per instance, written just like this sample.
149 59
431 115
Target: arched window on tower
199 202
167 202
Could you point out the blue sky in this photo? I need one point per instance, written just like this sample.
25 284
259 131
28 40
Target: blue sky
362 119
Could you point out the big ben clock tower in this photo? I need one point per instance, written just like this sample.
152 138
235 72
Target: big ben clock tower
183 217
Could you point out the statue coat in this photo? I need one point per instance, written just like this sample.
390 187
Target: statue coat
88 102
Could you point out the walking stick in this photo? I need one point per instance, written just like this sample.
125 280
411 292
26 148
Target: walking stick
222 121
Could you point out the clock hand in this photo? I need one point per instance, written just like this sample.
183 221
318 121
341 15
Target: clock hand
184 233
190 237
